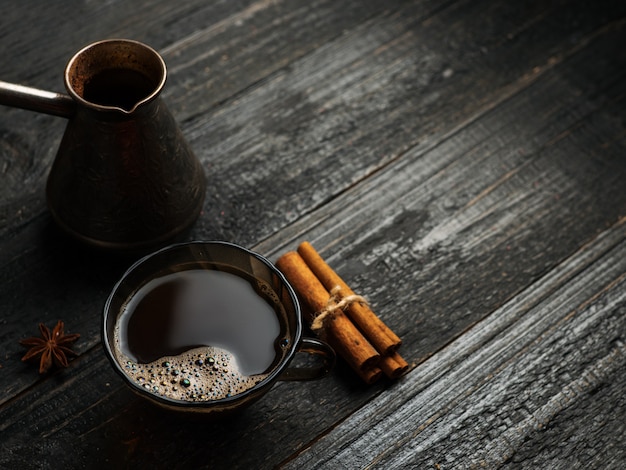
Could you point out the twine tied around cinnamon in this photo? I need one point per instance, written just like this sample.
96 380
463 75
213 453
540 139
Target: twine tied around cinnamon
357 334
335 302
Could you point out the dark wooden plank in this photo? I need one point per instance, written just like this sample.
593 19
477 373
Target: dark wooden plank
66 27
589 430
552 359
216 63
352 107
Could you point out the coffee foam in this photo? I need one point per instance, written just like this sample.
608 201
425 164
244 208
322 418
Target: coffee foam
200 374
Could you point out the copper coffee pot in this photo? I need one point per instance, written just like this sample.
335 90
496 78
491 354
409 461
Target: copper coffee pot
123 178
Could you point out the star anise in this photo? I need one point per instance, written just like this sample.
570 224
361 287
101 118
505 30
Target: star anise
53 347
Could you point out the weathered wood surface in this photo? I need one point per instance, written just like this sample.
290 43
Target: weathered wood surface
521 377
462 164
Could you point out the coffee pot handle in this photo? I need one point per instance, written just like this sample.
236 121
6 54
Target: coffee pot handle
325 360
33 99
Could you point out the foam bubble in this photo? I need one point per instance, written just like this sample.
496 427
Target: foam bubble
200 374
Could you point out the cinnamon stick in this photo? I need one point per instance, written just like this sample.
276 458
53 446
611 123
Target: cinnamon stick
371 375
393 365
357 351
373 328
368 375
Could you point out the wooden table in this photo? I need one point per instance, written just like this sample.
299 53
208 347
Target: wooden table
462 164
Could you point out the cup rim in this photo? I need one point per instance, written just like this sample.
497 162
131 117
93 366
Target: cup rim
225 403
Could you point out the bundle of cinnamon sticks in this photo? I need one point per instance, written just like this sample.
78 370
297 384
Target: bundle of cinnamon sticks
342 318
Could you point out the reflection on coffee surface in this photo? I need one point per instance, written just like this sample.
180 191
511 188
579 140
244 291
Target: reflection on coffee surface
201 334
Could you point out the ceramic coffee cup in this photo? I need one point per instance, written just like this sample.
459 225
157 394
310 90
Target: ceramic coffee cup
207 327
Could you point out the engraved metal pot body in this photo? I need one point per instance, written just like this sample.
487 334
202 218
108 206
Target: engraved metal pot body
124 177
124 181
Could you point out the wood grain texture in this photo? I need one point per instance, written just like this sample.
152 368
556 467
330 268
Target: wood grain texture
461 164
473 203
496 389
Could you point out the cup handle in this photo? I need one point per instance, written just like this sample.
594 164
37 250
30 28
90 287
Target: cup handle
325 360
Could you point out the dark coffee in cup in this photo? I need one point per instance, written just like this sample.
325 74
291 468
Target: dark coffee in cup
201 333
207 327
